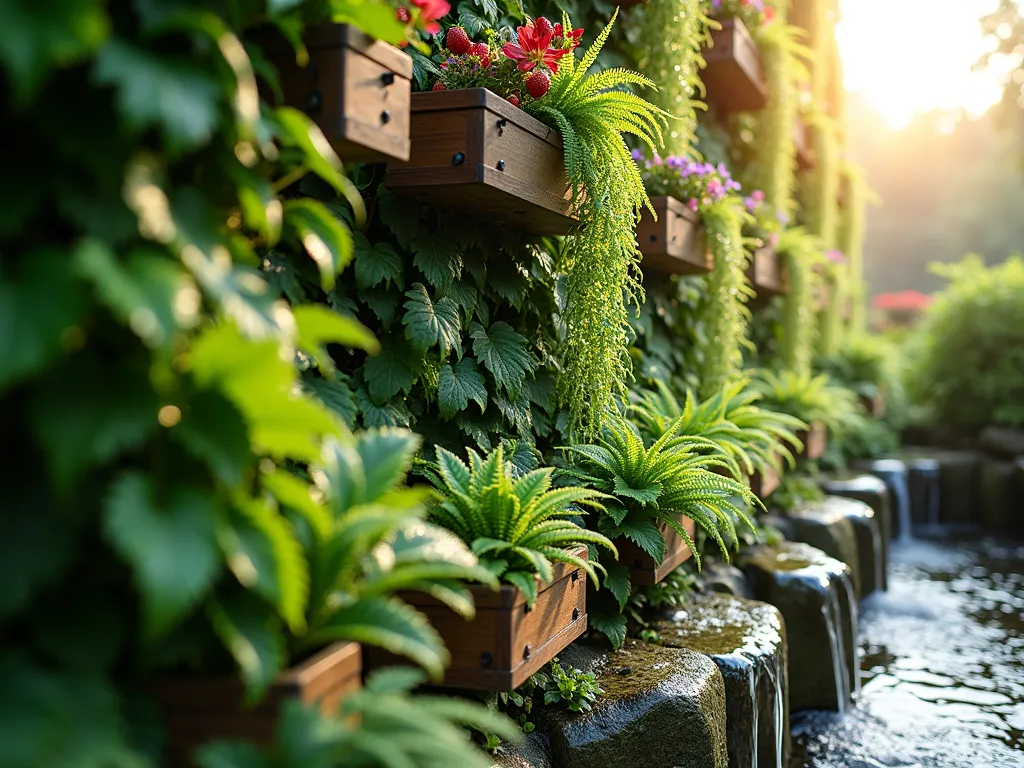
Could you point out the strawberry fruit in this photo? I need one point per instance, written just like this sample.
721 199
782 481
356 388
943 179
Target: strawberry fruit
458 41
537 84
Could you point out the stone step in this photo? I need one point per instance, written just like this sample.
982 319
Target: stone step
815 594
747 641
872 491
661 707
827 525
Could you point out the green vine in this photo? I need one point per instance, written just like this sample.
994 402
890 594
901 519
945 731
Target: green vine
799 248
851 241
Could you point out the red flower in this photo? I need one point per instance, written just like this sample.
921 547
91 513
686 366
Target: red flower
430 11
769 14
574 37
533 49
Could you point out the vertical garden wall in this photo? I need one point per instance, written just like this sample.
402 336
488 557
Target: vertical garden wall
271 270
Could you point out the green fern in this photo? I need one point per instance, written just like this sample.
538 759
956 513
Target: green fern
517 526
809 398
656 484
600 258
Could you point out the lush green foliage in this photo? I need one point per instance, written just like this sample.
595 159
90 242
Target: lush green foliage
807 397
970 370
600 257
378 726
798 330
556 686
518 526
865 364
752 437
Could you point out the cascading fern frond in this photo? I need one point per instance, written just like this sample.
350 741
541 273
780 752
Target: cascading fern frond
601 257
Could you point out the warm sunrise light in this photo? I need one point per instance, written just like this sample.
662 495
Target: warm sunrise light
909 56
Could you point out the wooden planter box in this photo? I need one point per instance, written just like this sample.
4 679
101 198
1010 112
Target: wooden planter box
675 243
802 140
357 89
474 152
815 440
642 568
734 76
198 710
764 482
766 273
507 641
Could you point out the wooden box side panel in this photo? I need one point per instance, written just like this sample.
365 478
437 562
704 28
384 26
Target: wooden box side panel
642 568
734 75
815 440
674 244
767 273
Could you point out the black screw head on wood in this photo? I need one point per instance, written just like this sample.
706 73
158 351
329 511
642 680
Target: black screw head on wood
575 613
458 158
387 78
527 608
486 660
502 122
527 652
501 165
575 576
314 100
385 117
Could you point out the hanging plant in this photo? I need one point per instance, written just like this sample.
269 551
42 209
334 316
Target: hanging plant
800 249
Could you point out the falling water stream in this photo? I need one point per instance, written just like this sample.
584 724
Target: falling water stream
942 666
834 624
894 473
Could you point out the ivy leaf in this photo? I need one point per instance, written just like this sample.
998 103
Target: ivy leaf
618 583
506 279
392 371
376 264
516 411
326 240
464 294
336 395
468 18
427 323
172 548
503 352
154 89
394 413
400 214
522 455
382 302
437 256
317 325
459 384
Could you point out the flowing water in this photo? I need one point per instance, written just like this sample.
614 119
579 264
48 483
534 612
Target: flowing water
894 473
942 666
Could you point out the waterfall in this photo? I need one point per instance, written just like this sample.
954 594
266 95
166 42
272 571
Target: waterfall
778 706
755 676
851 601
834 624
876 544
894 473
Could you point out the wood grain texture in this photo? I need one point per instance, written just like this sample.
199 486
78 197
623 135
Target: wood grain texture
643 570
815 440
475 153
734 76
674 244
508 640
197 710
356 89
766 273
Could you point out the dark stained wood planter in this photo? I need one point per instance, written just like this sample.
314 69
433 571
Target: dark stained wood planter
475 153
643 570
734 75
357 89
674 244
507 641
764 482
198 710
815 440
767 274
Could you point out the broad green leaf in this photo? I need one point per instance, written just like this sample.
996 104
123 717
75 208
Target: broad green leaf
296 494
504 353
437 256
468 18
428 323
645 535
336 395
318 325
261 208
169 542
618 583
213 431
263 553
516 412
172 92
392 371
143 292
401 215
36 37
376 264
394 413
375 19
459 384
647 495
41 305
387 456
383 303
611 625
522 455
252 634
326 240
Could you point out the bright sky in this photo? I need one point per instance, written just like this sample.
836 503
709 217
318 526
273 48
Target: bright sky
911 56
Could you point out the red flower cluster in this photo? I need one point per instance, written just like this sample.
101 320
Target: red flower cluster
425 17
903 301
541 44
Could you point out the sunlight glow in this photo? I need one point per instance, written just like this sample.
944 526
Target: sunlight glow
910 56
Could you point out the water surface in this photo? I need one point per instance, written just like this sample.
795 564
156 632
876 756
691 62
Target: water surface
942 658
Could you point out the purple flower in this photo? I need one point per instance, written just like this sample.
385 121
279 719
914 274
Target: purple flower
637 155
783 218
656 160
750 204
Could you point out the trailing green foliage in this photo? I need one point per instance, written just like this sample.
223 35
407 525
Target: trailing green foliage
672 34
800 250
969 367
600 257
518 526
752 437
852 226
379 726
